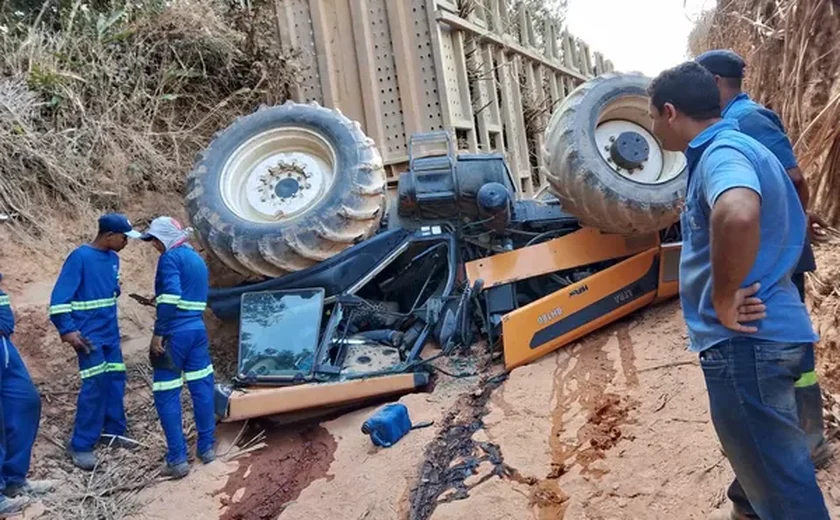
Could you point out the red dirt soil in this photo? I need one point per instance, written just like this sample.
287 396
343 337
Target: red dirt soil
263 485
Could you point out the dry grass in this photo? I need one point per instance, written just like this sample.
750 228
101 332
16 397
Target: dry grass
102 102
793 58
100 106
110 491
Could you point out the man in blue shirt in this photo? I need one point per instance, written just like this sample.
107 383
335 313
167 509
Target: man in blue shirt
20 415
743 232
180 343
83 308
765 127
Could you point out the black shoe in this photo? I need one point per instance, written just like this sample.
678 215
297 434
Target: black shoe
12 506
208 456
85 460
176 471
30 488
822 454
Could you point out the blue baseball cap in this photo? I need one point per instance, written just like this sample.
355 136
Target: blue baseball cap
117 223
722 62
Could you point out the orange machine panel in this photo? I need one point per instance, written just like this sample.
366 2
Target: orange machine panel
260 402
583 247
669 271
551 322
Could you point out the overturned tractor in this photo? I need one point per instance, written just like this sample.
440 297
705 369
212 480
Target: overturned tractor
351 285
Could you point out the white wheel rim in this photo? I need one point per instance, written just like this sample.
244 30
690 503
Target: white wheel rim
278 175
630 114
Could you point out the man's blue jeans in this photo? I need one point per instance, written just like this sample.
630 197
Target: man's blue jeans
753 408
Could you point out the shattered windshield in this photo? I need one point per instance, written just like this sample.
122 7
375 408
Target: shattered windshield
278 333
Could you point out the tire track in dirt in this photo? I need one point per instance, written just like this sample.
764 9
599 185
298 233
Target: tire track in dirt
262 486
580 387
585 420
628 355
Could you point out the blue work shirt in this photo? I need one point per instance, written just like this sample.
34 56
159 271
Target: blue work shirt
84 297
763 125
721 158
7 316
182 282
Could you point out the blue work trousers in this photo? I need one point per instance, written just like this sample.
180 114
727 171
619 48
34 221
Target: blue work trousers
100 408
19 418
753 408
190 354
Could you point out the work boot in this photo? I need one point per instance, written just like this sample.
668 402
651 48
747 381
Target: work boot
85 460
208 456
12 506
31 488
176 471
822 454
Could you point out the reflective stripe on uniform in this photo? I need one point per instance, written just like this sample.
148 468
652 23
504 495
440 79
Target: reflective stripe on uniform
184 305
102 368
93 371
61 309
160 386
168 298
195 375
806 379
83 306
4 301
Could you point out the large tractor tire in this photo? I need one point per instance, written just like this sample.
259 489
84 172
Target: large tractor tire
285 188
606 166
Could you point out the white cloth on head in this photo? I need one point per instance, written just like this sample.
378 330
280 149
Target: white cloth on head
168 231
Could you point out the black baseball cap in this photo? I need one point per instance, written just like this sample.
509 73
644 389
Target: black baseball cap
722 62
117 223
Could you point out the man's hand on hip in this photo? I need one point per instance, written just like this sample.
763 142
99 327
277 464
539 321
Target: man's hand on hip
742 307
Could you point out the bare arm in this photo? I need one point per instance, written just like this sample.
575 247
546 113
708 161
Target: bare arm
734 240
735 236
798 179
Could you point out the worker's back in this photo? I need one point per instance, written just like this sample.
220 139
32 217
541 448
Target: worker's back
765 126
181 286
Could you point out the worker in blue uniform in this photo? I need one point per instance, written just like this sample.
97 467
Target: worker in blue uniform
180 343
83 307
765 126
20 414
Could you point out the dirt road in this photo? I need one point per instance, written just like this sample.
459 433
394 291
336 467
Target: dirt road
613 427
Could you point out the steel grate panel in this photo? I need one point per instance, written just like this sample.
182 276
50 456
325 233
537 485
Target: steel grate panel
386 78
450 74
430 101
310 86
